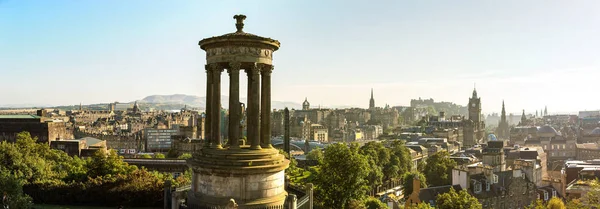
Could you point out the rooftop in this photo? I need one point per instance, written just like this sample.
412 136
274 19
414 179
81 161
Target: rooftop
19 117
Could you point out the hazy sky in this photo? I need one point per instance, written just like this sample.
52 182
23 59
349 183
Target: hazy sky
529 53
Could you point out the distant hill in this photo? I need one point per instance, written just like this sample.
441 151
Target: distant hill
199 102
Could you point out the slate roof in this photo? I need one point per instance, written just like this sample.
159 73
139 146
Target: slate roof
90 141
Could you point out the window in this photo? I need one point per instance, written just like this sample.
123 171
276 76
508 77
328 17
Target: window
495 179
545 195
477 187
487 186
545 147
553 193
61 146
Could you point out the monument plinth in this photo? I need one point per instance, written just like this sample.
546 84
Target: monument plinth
252 175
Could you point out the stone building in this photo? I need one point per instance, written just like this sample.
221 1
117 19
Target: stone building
319 133
474 126
588 151
40 128
493 155
558 146
83 147
503 190
592 136
220 170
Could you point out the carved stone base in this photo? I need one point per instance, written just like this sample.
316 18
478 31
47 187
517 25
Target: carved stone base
255 179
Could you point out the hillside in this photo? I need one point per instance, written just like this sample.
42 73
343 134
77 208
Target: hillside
196 101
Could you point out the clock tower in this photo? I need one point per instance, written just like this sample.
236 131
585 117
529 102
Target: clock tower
475 108
473 127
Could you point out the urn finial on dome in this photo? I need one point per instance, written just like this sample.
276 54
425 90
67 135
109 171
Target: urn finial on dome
240 22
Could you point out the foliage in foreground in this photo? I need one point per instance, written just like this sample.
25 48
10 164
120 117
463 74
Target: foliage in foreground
341 177
52 177
457 200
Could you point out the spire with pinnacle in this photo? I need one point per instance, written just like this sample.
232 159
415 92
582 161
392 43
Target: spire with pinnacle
523 118
372 101
545 110
502 129
503 111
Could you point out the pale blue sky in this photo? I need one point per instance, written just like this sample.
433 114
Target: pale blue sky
529 53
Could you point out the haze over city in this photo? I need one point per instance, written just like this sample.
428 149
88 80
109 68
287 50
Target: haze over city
529 54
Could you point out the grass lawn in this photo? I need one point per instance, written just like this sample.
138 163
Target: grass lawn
78 207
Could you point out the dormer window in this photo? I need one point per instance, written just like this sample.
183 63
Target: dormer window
553 193
477 187
545 195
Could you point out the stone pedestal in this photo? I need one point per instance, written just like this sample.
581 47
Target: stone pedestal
255 179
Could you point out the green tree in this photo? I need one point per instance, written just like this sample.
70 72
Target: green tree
14 190
316 155
172 153
575 203
400 161
592 198
407 182
422 205
556 203
438 169
378 157
185 156
538 204
421 166
159 156
457 200
107 163
342 176
374 203
145 156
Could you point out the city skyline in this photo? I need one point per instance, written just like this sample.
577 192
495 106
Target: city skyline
529 54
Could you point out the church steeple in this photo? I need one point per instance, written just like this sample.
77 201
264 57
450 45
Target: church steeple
372 101
545 110
503 116
502 130
523 118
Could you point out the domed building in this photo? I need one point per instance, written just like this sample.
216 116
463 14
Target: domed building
492 137
595 132
555 145
547 131
305 104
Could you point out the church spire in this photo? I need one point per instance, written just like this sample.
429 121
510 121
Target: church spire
545 110
523 118
503 110
372 101
474 91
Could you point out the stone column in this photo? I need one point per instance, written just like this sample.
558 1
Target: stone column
216 107
253 113
234 105
207 121
265 106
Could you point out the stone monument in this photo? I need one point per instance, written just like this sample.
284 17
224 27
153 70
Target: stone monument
253 174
